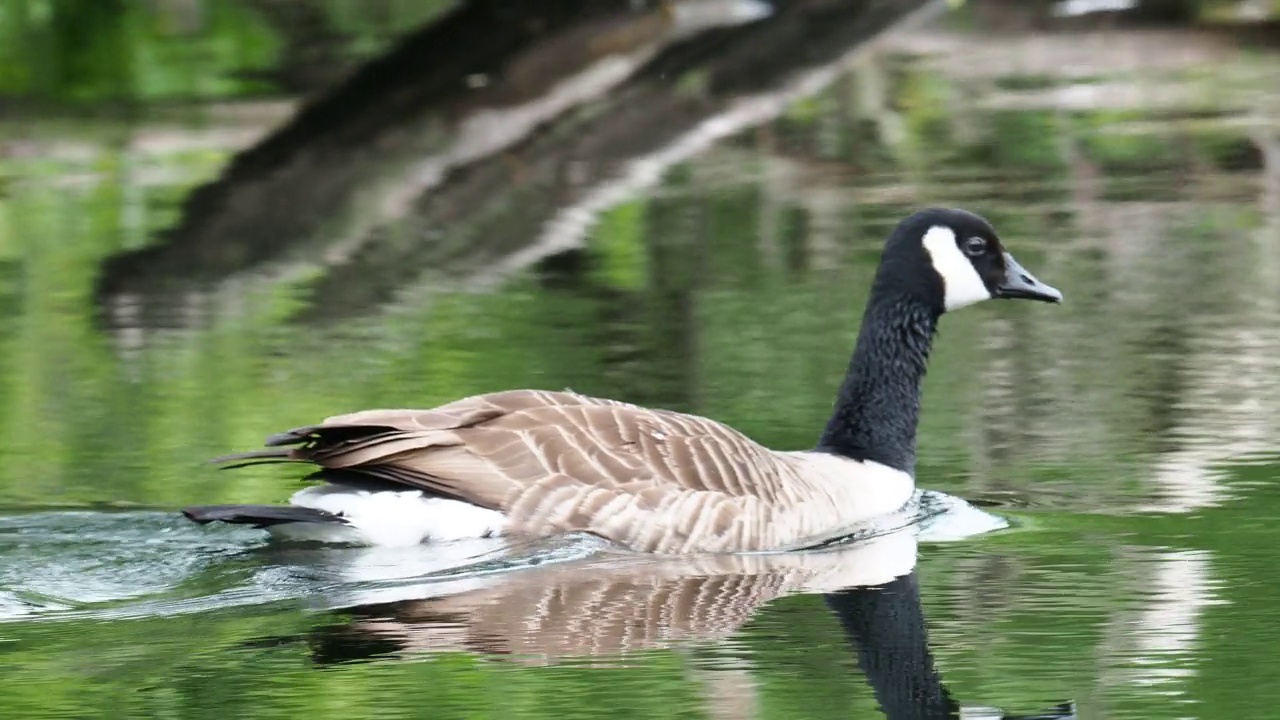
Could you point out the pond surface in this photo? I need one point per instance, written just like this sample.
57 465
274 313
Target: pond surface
239 230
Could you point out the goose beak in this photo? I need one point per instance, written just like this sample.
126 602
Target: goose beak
1018 283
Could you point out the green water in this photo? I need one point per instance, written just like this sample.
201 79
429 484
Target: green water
1130 437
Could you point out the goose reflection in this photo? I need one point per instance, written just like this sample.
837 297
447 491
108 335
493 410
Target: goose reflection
885 625
599 609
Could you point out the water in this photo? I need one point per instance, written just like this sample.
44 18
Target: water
683 212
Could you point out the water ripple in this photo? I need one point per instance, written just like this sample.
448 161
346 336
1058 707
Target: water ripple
112 565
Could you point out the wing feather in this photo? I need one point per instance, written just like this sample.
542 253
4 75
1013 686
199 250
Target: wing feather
558 461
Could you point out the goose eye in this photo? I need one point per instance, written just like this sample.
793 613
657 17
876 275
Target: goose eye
975 246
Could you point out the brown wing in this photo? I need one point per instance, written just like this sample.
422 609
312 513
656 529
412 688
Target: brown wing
558 461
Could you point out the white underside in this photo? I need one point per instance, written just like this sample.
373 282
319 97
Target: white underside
389 518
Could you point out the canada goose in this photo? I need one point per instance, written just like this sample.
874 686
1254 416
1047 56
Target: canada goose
540 463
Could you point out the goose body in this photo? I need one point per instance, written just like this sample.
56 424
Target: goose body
538 463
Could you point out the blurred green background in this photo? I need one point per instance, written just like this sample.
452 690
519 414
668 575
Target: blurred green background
344 210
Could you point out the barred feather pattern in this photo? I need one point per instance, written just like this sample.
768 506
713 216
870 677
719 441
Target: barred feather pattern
651 480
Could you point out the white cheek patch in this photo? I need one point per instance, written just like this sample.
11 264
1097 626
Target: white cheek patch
961 281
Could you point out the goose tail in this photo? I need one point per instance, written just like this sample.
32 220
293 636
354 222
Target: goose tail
260 516
254 457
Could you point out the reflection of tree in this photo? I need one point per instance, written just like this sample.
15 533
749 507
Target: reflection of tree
527 112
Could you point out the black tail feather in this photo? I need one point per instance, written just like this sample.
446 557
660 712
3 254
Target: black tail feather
324 433
1062 711
290 437
252 463
271 455
259 516
356 479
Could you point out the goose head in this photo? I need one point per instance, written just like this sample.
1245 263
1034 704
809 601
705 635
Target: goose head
951 258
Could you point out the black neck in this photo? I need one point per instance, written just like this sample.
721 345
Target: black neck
878 407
